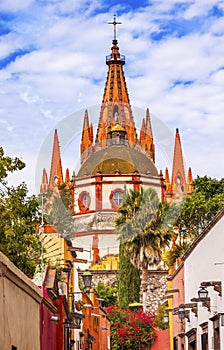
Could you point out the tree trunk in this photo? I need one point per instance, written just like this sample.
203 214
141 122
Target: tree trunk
144 286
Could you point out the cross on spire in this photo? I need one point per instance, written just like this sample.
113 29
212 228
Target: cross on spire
114 24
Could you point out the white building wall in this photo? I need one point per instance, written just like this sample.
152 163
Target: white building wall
109 184
206 263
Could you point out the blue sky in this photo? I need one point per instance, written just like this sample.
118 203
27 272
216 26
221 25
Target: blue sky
52 64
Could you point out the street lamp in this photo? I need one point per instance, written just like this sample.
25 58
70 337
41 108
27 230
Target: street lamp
181 312
87 279
202 293
166 318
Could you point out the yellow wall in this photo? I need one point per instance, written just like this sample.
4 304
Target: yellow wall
57 253
170 316
107 263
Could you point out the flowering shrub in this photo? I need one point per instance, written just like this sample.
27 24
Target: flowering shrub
129 329
79 305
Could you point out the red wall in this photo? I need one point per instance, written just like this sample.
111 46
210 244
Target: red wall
163 340
47 329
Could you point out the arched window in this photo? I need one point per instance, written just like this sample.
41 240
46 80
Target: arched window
116 198
84 201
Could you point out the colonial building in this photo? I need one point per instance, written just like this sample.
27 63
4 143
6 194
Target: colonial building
20 301
116 160
196 292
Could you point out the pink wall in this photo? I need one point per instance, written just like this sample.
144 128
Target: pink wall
163 340
47 329
177 280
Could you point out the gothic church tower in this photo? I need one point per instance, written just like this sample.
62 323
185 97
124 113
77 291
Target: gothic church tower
116 161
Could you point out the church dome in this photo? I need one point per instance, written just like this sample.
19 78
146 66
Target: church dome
121 157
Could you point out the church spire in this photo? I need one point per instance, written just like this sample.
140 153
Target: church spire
44 183
146 137
56 175
190 187
115 105
87 137
178 182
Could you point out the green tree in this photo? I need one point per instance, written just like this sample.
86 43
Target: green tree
129 280
19 217
107 293
129 276
57 209
147 234
169 256
8 164
199 209
159 317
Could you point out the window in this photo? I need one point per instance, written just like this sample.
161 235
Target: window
14 347
118 197
216 338
216 332
204 341
96 323
175 343
204 336
85 200
178 180
192 341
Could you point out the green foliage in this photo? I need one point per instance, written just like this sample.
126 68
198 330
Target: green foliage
19 217
19 240
129 329
169 256
129 280
149 230
131 204
200 209
65 195
159 317
129 276
208 187
108 293
57 210
145 228
8 164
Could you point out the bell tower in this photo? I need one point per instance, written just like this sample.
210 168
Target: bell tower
179 187
115 108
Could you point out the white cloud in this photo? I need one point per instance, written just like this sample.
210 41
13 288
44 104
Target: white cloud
15 5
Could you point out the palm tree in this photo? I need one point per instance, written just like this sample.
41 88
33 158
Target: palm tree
132 202
146 233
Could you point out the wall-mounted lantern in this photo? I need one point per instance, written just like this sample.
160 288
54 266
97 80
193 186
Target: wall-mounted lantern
181 312
217 285
202 297
166 318
87 279
202 293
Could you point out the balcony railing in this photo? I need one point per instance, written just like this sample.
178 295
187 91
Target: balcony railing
113 58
